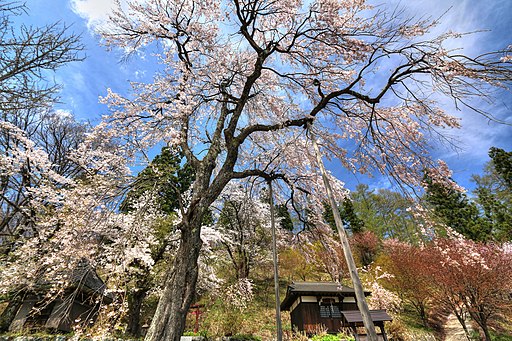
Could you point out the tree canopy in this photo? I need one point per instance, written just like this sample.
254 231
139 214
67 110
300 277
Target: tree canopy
244 88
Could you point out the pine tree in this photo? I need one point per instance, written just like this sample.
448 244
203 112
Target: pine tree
502 162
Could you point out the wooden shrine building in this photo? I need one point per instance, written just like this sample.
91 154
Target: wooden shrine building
79 302
319 305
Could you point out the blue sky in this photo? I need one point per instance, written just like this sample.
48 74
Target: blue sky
83 82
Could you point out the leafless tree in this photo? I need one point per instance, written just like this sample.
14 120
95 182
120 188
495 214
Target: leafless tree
27 57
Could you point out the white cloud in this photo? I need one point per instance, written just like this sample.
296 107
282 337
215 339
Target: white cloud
64 114
96 12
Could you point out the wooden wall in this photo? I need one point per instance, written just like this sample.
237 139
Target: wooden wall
306 317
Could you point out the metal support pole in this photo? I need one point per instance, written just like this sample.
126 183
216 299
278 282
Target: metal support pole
274 254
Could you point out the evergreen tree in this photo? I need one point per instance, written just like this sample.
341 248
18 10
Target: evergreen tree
350 219
281 211
168 178
494 193
454 209
502 162
285 219
165 176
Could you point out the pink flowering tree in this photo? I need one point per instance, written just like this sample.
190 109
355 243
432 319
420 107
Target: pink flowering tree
240 80
381 298
35 150
35 140
468 278
410 278
71 214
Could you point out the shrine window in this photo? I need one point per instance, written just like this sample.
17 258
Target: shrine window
329 308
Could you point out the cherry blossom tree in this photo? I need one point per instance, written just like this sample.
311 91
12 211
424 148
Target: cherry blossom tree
381 297
70 215
24 169
242 79
458 274
245 224
35 140
366 246
33 144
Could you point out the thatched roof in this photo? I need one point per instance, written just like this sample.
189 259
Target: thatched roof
85 276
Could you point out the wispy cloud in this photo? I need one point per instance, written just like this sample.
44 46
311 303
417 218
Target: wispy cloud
490 20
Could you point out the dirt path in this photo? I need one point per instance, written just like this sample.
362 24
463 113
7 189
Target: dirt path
453 330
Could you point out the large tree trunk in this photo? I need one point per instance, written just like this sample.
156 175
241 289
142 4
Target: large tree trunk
179 289
135 300
485 328
477 314
420 308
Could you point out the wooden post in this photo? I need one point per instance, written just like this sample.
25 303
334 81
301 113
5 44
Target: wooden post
383 331
358 287
356 335
274 254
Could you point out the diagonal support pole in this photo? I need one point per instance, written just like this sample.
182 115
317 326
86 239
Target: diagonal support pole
358 287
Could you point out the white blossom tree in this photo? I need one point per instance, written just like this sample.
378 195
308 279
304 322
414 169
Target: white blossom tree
244 223
35 140
70 216
29 128
241 80
36 149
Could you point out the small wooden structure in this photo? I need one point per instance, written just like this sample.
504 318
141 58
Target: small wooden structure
327 305
79 303
353 319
